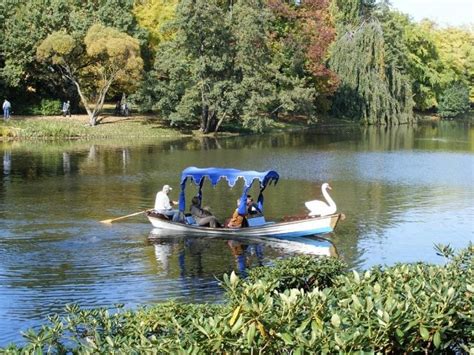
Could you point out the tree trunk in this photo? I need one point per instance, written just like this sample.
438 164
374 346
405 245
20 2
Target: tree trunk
85 103
211 122
204 110
100 101
223 117
93 114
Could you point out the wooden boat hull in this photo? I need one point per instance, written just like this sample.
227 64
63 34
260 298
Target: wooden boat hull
291 229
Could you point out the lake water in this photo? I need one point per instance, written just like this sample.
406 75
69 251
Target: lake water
402 190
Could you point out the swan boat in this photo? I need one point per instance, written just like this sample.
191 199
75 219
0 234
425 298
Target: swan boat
291 227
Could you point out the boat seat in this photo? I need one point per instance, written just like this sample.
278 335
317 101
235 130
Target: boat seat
256 221
190 220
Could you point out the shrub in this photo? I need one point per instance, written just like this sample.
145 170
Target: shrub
304 272
8 131
401 309
46 107
454 101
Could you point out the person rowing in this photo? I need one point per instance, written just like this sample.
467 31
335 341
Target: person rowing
163 204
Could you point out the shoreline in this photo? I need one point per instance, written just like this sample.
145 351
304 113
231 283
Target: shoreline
53 128
21 128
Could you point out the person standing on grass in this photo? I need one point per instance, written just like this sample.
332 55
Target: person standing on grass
67 108
7 106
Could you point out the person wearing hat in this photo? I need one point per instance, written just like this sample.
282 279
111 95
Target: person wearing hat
163 204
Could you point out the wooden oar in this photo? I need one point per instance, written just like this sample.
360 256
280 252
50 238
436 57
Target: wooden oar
123 217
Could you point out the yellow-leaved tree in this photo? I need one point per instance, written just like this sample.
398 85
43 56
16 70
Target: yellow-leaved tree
153 15
456 51
104 57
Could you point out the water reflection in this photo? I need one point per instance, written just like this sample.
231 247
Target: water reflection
7 162
66 163
246 252
401 189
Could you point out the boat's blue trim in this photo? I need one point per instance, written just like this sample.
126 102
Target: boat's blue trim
214 175
231 175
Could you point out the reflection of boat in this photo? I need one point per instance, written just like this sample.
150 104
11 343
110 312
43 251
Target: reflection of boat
258 226
311 246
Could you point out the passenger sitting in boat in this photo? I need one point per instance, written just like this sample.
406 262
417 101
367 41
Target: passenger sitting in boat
237 220
252 207
202 216
163 204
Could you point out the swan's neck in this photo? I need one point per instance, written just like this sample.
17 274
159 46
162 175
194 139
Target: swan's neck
328 198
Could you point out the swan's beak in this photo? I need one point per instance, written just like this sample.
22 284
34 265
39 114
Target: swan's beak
329 187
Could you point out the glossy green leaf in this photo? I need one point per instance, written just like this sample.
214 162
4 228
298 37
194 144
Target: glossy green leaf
437 339
335 320
425 335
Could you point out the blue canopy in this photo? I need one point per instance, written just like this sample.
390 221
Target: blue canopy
214 175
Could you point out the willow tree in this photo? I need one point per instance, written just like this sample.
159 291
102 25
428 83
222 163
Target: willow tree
371 90
105 56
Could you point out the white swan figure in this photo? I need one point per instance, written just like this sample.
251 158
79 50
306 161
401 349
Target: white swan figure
320 208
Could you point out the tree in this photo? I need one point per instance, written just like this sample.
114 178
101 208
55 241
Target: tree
193 72
373 88
456 52
154 15
375 91
103 57
300 35
454 101
7 8
423 64
38 19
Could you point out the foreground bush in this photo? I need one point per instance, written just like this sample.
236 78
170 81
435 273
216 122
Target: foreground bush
400 309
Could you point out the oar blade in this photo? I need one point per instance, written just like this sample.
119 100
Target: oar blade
109 221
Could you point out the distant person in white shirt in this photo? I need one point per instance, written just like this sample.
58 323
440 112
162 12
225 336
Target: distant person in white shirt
7 106
163 204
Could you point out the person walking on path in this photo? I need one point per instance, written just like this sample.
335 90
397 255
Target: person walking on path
7 106
67 108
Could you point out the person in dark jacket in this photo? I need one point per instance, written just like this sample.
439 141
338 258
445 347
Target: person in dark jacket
202 216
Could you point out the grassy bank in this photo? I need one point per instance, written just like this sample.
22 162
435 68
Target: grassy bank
51 127
111 127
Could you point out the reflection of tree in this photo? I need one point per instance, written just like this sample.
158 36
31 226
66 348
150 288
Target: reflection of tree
92 155
386 138
66 163
209 143
125 158
97 186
